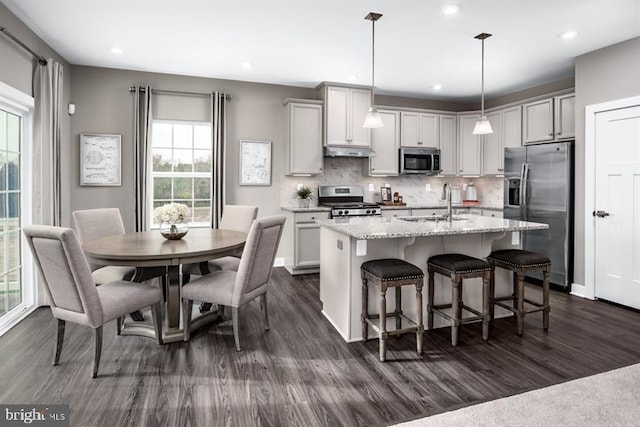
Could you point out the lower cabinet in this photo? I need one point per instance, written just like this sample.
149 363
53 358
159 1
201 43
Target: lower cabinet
427 212
390 213
492 213
301 242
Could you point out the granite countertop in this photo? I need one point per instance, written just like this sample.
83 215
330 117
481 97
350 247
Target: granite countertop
412 206
366 228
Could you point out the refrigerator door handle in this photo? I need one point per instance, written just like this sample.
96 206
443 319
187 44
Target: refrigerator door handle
521 201
524 184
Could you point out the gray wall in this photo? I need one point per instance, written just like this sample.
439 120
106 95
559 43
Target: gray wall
602 75
16 70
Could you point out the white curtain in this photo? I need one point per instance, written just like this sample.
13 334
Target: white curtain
47 91
142 121
219 139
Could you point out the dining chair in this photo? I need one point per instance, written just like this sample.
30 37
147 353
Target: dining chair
73 294
234 217
236 288
93 224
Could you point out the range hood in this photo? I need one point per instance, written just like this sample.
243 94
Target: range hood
349 152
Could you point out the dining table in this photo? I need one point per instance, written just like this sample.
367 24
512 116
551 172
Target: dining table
151 249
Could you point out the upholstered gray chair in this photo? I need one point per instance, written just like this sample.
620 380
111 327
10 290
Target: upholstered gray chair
236 288
234 217
73 294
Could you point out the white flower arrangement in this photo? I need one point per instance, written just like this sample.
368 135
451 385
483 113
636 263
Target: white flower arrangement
171 213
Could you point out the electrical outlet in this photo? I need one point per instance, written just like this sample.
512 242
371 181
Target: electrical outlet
427 187
371 187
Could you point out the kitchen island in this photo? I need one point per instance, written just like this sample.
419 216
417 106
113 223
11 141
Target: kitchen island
346 243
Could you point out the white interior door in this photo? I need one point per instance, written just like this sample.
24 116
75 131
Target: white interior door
617 222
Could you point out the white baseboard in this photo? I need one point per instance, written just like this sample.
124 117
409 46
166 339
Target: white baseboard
279 262
16 318
580 291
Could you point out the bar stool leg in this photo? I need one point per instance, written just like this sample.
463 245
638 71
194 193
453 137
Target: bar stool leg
420 326
545 300
383 323
515 294
486 304
456 299
430 292
492 290
520 307
398 308
365 309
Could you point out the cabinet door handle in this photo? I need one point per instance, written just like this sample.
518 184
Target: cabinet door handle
551 134
419 142
313 217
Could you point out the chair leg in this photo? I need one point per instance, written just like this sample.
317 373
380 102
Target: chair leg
365 309
58 343
234 321
383 323
119 322
520 307
430 293
486 304
492 290
265 312
456 300
98 351
515 294
398 308
419 309
187 306
156 316
545 300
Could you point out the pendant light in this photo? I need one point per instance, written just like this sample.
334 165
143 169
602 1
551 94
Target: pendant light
372 119
483 126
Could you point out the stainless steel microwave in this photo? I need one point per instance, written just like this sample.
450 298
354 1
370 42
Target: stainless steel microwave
425 161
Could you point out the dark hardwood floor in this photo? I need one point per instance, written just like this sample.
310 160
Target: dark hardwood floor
301 372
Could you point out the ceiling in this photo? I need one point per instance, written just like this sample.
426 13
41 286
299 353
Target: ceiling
305 42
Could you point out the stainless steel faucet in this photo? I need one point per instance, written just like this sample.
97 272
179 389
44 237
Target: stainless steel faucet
446 195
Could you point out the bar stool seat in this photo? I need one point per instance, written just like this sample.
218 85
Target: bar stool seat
521 262
458 267
391 273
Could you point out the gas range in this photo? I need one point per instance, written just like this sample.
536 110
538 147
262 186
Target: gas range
346 201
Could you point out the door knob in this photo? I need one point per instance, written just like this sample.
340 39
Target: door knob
600 214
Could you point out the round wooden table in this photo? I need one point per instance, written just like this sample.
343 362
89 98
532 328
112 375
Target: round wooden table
150 249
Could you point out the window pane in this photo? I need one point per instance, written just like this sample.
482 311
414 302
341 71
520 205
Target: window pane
183 136
10 288
14 210
202 211
3 204
13 171
161 189
13 132
182 188
202 188
202 160
202 137
183 160
162 160
162 135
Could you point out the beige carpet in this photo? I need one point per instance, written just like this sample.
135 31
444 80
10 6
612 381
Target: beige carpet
608 399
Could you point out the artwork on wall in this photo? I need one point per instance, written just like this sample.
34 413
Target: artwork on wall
255 162
100 159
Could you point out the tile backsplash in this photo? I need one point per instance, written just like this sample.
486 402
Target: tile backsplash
349 171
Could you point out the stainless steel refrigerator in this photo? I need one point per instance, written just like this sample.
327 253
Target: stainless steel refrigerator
539 188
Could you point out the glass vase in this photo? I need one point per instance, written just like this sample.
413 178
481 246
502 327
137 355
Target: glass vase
174 230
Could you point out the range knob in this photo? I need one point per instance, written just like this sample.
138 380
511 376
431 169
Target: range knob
369 211
346 212
339 212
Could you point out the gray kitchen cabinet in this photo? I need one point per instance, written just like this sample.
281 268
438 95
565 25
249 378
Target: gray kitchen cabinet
345 110
507 132
549 119
420 130
428 212
448 144
304 136
492 213
385 143
301 242
469 147
391 213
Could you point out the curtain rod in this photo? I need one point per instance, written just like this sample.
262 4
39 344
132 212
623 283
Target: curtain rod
41 59
175 92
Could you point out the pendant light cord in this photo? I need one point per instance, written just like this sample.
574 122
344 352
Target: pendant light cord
373 58
482 78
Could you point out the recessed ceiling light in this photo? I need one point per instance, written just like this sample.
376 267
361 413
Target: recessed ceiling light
115 50
451 9
247 65
568 35
436 87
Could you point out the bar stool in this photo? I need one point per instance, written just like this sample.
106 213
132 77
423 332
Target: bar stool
458 267
391 273
521 262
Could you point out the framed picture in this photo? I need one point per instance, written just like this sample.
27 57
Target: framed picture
385 194
100 159
255 162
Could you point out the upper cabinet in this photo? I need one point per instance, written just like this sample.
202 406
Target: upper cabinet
386 144
345 110
549 119
304 136
507 132
420 130
469 146
448 144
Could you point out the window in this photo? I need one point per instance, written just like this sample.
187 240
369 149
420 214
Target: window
181 168
17 282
